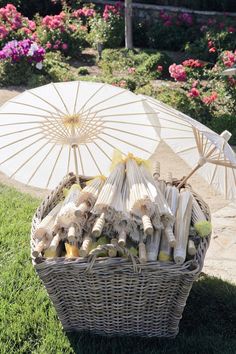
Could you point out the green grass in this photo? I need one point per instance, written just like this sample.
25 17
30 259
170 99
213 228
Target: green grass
29 325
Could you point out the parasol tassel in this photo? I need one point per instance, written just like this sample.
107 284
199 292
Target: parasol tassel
200 223
152 245
182 225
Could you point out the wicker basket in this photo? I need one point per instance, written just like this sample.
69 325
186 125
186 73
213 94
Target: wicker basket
115 296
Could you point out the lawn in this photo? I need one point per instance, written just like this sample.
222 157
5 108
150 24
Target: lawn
28 322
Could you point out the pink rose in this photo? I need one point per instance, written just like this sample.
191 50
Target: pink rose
178 72
212 50
193 92
131 70
64 46
160 68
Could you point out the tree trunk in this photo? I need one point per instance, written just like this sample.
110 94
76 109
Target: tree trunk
128 24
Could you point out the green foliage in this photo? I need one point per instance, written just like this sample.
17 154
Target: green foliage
167 37
17 73
139 65
109 33
56 68
83 71
225 122
29 324
22 73
149 66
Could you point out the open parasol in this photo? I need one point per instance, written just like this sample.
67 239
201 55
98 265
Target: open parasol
71 126
201 148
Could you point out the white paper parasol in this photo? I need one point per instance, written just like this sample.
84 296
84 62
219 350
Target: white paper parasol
71 126
202 149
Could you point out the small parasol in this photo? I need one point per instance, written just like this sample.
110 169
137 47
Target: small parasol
162 207
89 195
203 150
141 203
182 225
108 193
44 231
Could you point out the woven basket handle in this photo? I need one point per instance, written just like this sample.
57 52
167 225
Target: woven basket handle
111 247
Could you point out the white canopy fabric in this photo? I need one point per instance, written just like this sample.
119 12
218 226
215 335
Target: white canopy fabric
201 148
72 126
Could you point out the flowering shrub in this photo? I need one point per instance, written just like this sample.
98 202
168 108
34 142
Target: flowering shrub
193 63
213 37
62 32
13 25
229 58
107 28
171 31
16 51
178 72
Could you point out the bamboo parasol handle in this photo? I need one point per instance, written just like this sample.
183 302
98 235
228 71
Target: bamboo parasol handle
72 233
142 253
170 236
84 250
191 248
188 176
156 170
113 251
44 243
98 226
122 238
147 225
51 252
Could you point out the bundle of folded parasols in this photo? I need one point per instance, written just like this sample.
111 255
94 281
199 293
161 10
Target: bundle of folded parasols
132 208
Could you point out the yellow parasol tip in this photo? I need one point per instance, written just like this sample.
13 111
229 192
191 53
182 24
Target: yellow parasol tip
203 228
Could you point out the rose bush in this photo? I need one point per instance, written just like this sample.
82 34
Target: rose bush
107 28
62 32
14 26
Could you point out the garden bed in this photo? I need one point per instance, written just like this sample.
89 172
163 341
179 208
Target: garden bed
63 48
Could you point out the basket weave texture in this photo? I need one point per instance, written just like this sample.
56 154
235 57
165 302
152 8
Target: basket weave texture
117 296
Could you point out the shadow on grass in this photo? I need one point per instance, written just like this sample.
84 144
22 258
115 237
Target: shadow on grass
208 327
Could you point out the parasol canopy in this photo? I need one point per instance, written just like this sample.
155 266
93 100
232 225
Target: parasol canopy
200 147
71 126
